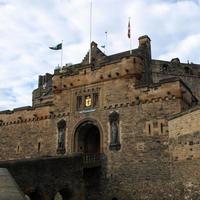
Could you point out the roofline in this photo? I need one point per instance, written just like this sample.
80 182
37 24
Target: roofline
197 107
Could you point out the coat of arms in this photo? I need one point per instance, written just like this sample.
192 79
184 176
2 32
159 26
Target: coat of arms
88 101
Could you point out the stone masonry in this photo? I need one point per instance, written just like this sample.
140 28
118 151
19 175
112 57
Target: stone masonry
119 107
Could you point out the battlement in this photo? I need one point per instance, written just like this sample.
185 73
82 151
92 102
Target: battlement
101 68
131 66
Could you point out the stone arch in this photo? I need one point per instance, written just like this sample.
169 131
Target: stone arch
87 123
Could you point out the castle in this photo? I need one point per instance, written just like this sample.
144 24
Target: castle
130 122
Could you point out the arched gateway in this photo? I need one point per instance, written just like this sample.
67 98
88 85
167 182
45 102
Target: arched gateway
88 137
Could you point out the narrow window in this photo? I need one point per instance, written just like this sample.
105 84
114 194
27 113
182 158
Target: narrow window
79 102
161 127
18 149
39 145
149 129
95 99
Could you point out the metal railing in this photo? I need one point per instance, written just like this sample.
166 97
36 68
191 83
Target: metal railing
91 160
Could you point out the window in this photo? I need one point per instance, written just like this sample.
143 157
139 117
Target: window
165 68
95 99
186 70
161 127
79 102
191 143
18 149
39 145
149 129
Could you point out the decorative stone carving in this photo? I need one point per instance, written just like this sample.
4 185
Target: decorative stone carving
61 136
114 131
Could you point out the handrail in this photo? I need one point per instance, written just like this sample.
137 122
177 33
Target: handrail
91 160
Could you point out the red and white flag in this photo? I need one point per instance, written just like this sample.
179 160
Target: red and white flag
129 29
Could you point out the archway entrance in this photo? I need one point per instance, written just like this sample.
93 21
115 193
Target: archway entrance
87 139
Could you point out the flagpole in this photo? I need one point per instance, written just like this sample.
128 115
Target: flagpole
90 52
106 40
130 46
130 36
61 55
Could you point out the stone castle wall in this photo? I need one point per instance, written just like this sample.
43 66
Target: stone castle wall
189 73
184 147
144 164
133 166
184 135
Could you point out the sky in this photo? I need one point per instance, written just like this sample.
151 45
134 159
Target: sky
29 27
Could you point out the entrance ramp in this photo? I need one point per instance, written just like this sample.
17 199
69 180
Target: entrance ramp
9 189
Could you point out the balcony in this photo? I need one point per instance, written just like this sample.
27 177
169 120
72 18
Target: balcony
91 160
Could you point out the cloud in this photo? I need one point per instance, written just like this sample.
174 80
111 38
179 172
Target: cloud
184 48
28 28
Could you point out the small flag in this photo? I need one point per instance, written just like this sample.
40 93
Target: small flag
57 47
129 29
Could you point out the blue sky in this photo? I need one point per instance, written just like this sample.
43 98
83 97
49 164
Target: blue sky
29 27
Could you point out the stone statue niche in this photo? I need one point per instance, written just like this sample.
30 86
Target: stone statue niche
61 136
114 131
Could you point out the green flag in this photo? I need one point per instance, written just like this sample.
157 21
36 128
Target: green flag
57 47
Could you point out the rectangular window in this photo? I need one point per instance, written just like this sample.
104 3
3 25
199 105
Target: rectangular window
95 99
79 102
39 145
149 126
161 128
